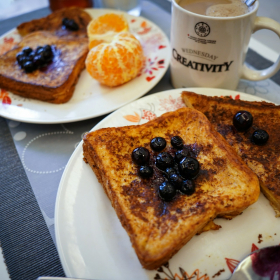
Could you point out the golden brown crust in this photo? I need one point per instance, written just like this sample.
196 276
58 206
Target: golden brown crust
54 83
263 160
158 229
53 23
210 226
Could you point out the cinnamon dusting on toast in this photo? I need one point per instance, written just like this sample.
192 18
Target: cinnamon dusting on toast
157 229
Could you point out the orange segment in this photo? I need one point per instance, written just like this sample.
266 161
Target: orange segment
116 63
104 28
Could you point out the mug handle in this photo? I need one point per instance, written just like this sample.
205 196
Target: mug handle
258 75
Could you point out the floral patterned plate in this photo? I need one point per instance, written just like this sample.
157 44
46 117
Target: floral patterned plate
90 99
92 244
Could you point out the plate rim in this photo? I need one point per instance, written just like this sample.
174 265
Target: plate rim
78 153
68 120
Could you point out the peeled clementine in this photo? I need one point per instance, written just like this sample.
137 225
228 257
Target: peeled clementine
116 63
105 27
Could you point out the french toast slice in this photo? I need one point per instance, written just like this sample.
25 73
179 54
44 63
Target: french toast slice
263 160
54 83
225 186
53 23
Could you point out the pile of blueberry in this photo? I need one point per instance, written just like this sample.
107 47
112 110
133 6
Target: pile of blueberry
30 60
178 170
243 120
70 24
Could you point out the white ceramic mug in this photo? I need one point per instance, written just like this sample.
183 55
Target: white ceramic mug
210 51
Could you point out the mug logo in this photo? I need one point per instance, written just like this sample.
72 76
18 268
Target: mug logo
202 29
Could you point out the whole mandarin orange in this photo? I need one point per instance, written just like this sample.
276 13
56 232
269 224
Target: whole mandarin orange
116 63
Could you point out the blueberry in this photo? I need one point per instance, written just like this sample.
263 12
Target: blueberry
187 187
188 167
177 142
176 180
170 171
158 143
179 155
145 171
65 21
260 137
29 66
164 160
140 156
47 52
20 55
39 60
46 55
31 55
26 50
167 191
38 49
47 48
23 59
70 24
73 25
242 120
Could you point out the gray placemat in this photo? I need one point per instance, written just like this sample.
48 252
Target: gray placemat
259 62
25 239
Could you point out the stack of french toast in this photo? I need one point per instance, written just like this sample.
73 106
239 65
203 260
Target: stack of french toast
47 62
168 179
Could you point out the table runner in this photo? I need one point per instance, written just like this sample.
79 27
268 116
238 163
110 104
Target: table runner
22 226
28 186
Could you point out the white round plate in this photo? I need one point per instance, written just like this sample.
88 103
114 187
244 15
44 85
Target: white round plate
91 99
92 244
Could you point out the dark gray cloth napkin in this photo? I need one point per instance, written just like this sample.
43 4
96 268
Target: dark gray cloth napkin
25 239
